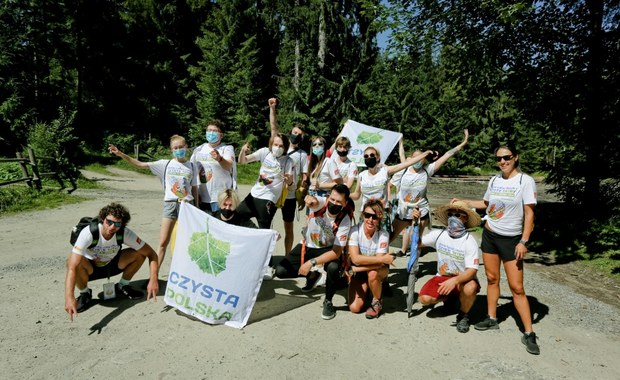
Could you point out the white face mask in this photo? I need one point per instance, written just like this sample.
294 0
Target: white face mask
277 151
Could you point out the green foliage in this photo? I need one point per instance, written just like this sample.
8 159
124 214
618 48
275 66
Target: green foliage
22 198
10 171
247 173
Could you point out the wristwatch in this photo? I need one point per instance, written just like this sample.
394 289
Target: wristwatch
313 261
524 242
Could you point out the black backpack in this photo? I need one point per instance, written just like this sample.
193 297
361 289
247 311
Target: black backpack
93 224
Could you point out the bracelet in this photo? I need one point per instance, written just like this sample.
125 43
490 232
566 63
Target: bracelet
524 242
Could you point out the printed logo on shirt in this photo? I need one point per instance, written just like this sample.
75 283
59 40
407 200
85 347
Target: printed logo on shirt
383 245
138 240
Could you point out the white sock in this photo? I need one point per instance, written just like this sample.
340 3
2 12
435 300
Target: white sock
85 290
122 282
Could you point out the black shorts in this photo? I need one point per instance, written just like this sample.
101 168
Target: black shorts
288 210
109 270
497 244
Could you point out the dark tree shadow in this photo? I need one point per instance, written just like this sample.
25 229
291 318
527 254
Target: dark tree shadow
539 311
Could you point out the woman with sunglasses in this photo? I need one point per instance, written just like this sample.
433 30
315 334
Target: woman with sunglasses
323 171
373 182
509 202
412 184
370 261
178 177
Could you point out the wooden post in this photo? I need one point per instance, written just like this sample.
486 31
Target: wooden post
22 164
36 178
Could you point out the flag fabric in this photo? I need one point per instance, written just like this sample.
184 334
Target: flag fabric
217 268
363 136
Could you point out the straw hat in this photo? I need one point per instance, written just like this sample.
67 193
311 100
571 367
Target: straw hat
473 220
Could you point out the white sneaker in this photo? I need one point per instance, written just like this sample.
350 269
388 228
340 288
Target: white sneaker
323 278
269 271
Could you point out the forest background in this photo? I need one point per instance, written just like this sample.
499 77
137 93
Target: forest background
78 74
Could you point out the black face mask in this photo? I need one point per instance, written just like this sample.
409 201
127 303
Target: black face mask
342 153
295 139
333 209
226 213
370 162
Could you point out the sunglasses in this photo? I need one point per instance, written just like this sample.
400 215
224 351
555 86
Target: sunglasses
371 216
371 155
505 158
457 214
111 222
317 144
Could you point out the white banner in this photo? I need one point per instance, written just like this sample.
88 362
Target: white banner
363 136
217 268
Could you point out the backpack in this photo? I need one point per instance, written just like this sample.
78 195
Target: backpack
93 224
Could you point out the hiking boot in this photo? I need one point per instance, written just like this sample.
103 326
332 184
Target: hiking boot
487 324
462 324
312 281
375 309
128 292
530 343
83 301
329 311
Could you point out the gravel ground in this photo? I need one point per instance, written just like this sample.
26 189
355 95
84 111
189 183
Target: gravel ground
285 338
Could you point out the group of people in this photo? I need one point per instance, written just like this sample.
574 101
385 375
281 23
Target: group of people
332 244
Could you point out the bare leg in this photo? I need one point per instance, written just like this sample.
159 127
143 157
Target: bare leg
491 267
164 238
467 295
357 295
514 273
289 237
130 261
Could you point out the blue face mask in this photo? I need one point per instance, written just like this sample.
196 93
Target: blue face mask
418 165
456 228
318 151
212 137
179 153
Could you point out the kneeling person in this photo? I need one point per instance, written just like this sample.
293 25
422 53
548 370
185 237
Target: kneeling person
368 251
325 237
106 259
457 261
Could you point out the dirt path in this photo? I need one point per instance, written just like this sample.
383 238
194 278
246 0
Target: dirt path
286 338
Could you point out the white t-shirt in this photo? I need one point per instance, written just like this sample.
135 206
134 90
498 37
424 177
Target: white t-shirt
212 177
270 180
374 186
453 255
319 232
328 172
376 245
412 188
178 179
300 166
105 250
346 169
506 199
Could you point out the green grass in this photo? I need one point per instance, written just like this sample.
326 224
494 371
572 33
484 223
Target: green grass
608 264
14 199
247 174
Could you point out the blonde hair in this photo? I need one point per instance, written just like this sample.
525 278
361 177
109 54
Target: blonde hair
174 138
377 153
228 193
375 205
343 141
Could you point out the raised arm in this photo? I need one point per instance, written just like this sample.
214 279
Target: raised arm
401 150
245 158
138 164
451 152
273 120
408 162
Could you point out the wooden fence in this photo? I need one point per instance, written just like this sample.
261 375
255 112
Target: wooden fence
31 174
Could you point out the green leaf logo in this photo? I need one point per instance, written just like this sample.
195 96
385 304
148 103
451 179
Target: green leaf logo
208 252
369 138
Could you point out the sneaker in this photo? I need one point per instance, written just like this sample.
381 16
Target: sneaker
83 300
462 324
487 324
329 311
399 254
128 292
268 275
530 343
375 309
312 281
